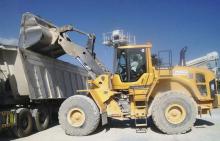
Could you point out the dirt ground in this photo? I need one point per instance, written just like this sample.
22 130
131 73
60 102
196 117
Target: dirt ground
206 128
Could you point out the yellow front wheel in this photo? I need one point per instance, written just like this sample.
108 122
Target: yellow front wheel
79 115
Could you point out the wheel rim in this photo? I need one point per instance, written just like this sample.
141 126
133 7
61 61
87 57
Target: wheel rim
175 113
76 117
24 123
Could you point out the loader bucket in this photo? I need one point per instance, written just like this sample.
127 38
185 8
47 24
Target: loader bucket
39 35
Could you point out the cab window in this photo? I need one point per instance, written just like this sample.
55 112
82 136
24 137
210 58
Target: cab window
131 64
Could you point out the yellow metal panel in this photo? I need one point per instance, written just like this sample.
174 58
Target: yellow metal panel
139 94
147 45
145 79
113 109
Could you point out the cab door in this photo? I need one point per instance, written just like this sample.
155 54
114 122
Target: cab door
131 68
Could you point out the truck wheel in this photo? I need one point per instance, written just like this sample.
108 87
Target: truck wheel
24 123
41 118
174 112
79 115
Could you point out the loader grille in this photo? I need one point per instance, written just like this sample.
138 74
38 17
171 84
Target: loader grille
201 84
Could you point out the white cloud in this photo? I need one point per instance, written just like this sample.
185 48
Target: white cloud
9 41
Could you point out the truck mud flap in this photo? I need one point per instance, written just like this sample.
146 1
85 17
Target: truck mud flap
7 119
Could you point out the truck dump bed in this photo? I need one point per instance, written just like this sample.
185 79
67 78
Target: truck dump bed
26 73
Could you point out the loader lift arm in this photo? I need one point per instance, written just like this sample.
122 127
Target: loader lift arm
41 36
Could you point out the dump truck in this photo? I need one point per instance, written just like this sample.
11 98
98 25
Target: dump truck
32 87
137 89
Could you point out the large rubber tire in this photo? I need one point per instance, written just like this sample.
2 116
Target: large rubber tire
87 105
41 118
162 101
24 123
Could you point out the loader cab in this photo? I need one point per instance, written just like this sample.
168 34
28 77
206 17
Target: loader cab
132 66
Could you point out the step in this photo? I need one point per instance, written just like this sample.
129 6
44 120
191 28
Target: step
141 124
141 130
140 87
140 107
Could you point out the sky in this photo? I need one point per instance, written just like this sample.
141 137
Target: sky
168 24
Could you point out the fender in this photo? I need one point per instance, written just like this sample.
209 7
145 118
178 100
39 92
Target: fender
184 82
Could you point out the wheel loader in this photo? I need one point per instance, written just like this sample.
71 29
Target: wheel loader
137 88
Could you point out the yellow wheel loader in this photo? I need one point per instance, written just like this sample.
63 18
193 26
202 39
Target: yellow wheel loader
137 89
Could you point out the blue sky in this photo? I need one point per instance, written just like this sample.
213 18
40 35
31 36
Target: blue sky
168 24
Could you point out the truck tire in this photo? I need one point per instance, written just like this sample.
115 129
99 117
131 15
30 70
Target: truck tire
174 112
79 115
24 123
41 118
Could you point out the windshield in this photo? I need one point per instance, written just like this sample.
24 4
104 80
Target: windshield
131 64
